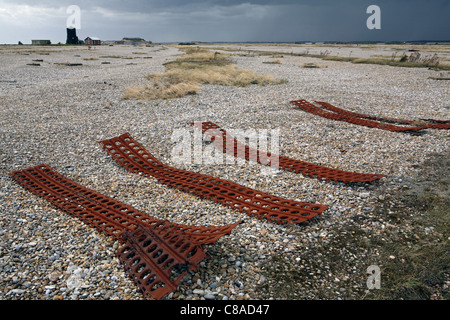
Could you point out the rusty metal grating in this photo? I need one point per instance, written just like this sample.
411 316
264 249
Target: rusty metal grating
435 124
332 108
103 213
152 248
134 157
154 256
238 149
363 120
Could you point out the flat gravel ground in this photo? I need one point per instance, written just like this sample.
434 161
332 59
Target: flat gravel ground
56 114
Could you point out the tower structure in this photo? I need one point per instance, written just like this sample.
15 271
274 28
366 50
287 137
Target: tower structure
72 36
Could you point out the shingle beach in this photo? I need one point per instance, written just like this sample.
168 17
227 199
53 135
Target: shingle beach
56 114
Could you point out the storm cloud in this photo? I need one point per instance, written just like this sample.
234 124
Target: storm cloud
226 20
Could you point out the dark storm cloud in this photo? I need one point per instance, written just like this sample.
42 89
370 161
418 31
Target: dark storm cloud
229 20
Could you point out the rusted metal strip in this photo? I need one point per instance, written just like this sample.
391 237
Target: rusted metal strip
330 107
151 249
151 255
435 124
238 149
105 214
308 107
132 156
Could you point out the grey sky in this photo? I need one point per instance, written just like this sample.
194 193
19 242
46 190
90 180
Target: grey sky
226 20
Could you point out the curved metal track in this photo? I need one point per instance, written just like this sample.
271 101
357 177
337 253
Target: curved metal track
348 117
105 214
433 124
153 251
132 156
152 257
237 149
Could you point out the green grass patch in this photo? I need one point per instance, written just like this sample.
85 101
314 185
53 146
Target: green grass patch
414 60
422 263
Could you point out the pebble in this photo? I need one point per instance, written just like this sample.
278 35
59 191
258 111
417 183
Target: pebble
16 291
364 195
56 115
199 292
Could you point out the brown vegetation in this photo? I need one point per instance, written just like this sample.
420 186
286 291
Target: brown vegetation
195 68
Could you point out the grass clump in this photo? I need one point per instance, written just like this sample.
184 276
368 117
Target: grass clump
276 61
189 72
415 60
90 58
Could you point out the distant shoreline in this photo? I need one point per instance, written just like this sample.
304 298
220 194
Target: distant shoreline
397 42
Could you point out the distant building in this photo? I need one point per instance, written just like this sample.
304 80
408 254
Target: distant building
72 36
92 41
41 42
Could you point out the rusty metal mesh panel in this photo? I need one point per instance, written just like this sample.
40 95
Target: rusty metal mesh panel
105 214
134 157
434 124
152 249
153 258
430 123
309 107
229 144
332 108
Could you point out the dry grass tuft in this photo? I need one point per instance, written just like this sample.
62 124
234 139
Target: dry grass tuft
90 58
189 72
276 61
160 91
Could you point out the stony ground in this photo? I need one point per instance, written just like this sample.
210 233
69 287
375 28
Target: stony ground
56 114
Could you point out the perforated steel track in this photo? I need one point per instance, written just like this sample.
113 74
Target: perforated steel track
351 118
133 157
153 257
238 149
433 124
152 250
103 213
332 108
